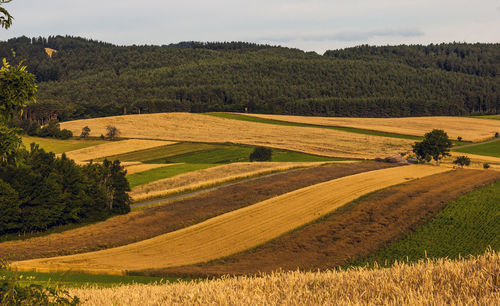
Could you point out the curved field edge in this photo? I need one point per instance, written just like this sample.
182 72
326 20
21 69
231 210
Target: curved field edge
474 282
353 231
466 226
151 222
235 231
469 129
201 128
255 118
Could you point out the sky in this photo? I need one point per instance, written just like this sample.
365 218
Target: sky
313 25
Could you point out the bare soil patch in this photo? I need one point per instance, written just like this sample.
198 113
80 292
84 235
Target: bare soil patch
137 226
350 233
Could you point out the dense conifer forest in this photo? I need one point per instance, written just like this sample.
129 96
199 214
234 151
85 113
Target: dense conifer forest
86 78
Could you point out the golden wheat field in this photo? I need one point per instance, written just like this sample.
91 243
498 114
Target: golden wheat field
235 231
202 128
471 281
114 148
470 129
211 176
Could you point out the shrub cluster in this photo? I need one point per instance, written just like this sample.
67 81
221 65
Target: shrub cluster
261 154
40 191
52 129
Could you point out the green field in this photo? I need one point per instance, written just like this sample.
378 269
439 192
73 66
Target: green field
467 226
286 123
59 146
488 149
496 117
160 154
75 280
145 177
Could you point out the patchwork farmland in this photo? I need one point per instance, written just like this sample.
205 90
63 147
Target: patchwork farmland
200 208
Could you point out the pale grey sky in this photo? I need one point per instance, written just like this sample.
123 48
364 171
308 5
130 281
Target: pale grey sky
316 25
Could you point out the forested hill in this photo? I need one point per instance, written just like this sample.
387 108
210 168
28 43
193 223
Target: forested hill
86 78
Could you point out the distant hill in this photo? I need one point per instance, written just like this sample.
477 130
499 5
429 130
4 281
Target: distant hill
88 78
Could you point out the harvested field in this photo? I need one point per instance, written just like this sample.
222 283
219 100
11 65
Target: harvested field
208 177
470 129
140 167
471 281
113 148
235 231
353 233
137 226
477 161
202 128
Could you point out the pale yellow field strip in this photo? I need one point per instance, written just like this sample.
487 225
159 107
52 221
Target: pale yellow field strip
477 161
213 176
140 167
470 129
203 128
115 148
234 231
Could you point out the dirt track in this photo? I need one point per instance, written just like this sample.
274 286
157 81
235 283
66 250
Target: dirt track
350 233
137 226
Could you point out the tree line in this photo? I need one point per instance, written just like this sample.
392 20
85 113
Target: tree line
87 78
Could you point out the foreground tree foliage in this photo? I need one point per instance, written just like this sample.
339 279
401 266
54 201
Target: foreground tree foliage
46 191
436 145
86 78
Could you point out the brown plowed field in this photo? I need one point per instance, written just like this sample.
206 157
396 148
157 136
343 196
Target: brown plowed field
137 226
350 233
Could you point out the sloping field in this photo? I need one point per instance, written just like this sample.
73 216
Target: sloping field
235 231
151 222
59 146
202 128
486 149
140 167
208 177
471 281
470 129
113 148
362 228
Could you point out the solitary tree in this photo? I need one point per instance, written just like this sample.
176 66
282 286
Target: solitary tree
112 132
462 161
261 154
85 132
435 145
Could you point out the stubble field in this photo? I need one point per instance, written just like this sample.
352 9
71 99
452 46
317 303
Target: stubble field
470 129
202 128
235 231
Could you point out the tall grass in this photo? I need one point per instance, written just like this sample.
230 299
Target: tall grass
472 281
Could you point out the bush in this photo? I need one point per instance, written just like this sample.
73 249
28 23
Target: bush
462 161
261 154
486 166
497 135
64 134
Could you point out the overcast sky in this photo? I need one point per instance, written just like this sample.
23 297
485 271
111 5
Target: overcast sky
316 25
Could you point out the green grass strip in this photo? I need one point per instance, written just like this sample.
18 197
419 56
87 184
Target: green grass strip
467 226
76 280
60 146
487 149
145 177
496 117
287 123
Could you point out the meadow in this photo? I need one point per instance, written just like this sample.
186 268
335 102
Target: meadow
470 129
203 128
60 146
471 281
488 149
468 225
167 171
235 231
